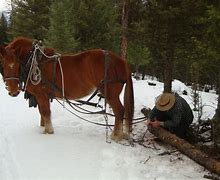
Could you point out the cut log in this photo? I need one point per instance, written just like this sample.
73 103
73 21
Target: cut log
186 148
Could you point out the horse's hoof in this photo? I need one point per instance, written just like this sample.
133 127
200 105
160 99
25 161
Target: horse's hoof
117 138
48 131
126 136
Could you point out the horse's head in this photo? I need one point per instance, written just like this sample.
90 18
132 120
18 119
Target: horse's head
11 66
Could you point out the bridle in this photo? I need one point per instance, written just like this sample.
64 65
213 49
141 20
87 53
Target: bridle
32 57
31 71
8 78
11 78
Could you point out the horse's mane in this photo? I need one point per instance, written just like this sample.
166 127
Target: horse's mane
27 43
23 44
20 42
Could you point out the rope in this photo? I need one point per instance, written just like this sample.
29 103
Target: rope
100 124
35 73
103 112
57 55
74 106
62 79
33 63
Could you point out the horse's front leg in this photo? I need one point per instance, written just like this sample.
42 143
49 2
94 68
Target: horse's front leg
44 109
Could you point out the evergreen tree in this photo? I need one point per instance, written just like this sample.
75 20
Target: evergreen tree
61 34
96 24
169 29
30 18
138 38
3 30
139 57
85 25
212 42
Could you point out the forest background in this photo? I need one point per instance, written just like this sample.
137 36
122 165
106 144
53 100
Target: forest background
166 39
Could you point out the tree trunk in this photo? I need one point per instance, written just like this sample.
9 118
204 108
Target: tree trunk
188 149
124 22
168 77
136 76
168 69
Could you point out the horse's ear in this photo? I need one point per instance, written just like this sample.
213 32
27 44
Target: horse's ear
2 51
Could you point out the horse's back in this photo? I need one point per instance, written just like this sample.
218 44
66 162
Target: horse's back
85 71
102 61
94 64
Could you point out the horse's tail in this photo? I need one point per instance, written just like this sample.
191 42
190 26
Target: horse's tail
129 99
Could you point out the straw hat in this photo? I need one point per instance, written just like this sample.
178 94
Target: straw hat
165 101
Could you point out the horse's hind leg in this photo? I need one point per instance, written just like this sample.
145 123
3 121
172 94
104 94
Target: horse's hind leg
118 110
42 122
127 127
44 109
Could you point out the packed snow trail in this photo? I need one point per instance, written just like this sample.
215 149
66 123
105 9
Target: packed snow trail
78 149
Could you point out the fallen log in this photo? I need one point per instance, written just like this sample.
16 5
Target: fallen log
186 148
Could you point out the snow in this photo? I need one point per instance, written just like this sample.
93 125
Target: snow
4 5
78 150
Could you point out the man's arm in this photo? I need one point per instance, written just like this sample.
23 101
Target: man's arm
153 122
152 113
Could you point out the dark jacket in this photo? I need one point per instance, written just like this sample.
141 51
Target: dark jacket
180 115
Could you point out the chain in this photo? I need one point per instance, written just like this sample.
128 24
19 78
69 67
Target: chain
107 127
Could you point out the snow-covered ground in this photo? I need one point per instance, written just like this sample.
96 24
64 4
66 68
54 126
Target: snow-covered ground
78 150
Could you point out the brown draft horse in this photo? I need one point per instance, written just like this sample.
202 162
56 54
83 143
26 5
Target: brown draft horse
79 75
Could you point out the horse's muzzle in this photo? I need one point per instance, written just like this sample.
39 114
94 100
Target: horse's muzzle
12 91
14 94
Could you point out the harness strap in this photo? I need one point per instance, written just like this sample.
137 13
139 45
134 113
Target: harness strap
53 83
89 103
11 78
103 82
107 59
